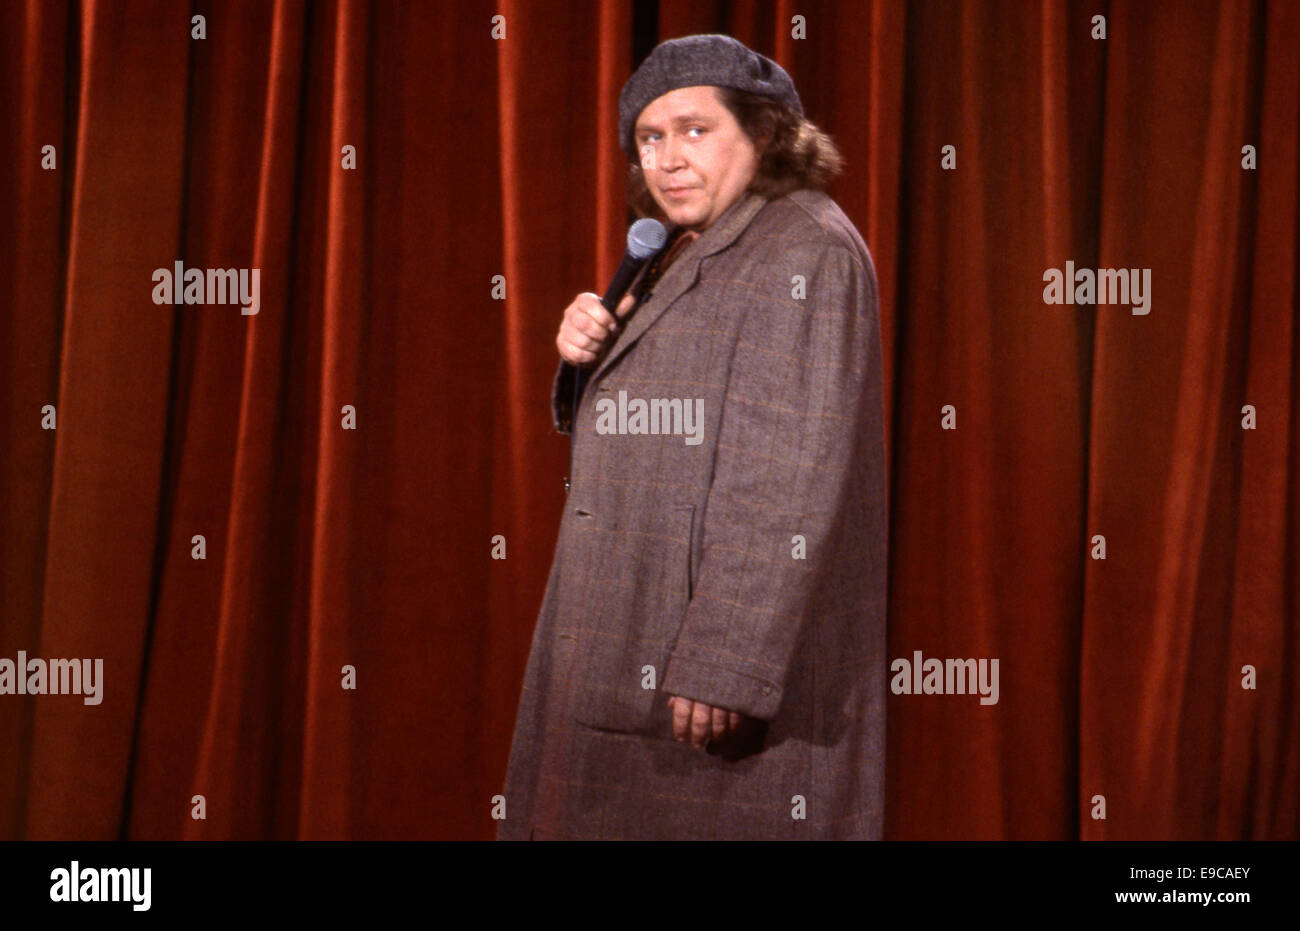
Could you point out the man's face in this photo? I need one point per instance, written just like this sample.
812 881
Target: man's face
696 159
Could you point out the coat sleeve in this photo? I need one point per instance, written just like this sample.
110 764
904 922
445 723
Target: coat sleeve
795 418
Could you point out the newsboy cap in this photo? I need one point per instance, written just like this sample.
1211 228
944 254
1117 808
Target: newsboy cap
703 59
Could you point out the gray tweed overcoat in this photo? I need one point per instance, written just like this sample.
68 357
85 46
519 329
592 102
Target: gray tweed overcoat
739 561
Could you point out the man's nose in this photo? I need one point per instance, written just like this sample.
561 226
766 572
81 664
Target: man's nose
671 157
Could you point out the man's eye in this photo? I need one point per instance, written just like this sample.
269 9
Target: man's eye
694 128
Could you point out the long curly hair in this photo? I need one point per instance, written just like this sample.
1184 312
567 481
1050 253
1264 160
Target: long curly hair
795 154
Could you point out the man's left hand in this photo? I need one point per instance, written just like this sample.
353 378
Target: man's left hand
699 723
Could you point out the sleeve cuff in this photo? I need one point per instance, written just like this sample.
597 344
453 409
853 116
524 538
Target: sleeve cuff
722 687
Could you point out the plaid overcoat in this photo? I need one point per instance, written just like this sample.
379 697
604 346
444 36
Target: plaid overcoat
746 570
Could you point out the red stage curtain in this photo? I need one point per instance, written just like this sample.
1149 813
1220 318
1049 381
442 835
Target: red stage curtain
479 157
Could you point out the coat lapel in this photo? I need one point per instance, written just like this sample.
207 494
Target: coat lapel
682 275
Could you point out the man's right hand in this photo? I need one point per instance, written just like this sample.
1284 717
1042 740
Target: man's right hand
585 329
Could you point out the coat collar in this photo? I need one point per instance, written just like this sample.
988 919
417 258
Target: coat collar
682 275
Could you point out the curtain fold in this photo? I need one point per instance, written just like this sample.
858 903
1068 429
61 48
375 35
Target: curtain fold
309 544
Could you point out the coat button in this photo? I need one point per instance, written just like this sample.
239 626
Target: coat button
566 484
767 690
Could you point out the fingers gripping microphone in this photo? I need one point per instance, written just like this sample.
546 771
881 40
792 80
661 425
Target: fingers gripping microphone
644 240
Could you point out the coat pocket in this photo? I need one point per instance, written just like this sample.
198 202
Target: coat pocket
633 626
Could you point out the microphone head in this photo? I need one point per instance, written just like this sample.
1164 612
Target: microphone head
646 237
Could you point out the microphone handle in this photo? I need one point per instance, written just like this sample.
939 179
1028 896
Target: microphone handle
618 285
621 281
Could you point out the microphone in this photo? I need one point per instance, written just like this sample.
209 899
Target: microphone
644 240
645 237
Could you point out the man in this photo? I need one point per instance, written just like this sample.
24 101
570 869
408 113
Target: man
709 661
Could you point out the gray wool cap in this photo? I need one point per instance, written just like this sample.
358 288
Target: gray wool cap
693 60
